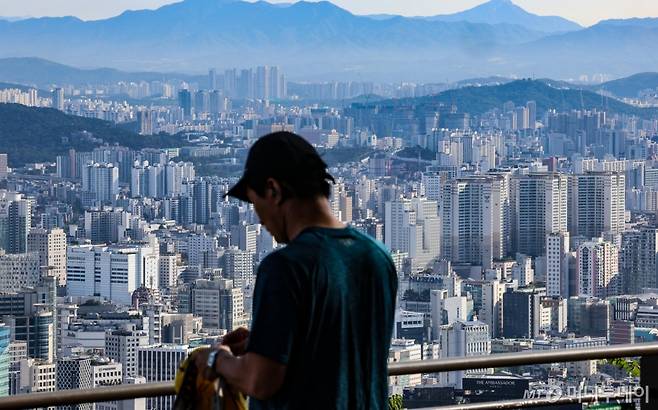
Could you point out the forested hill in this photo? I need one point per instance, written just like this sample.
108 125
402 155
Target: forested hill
29 134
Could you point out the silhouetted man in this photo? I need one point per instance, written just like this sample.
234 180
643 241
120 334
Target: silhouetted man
323 307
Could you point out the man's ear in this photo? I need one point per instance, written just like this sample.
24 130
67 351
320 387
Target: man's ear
275 189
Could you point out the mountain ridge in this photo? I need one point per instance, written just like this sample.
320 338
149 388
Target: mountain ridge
505 11
321 41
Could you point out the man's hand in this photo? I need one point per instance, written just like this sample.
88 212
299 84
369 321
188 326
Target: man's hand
237 341
201 360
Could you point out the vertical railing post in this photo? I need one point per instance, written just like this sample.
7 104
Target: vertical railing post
649 382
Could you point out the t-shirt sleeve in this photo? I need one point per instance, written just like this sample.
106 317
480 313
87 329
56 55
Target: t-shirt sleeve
275 310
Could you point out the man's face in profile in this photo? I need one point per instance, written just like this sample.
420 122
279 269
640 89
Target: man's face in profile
268 209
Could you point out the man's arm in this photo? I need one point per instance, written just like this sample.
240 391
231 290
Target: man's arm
253 374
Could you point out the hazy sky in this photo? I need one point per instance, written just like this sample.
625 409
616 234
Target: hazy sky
586 12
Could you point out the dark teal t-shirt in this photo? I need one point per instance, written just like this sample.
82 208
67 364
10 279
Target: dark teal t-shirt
324 306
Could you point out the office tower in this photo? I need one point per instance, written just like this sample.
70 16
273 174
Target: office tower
18 271
3 167
539 207
238 266
102 226
522 312
185 103
212 79
557 264
532 114
58 99
111 272
180 328
597 204
216 102
145 121
159 363
51 247
413 226
230 82
201 102
121 346
262 85
637 261
598 269
75 373
464 339
218 303
102 180
276 83
476 220
245 84
15 221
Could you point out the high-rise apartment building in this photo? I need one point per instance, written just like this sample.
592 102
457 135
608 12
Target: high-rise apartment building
476 219
101 180
557 264
15 221
597 204
598 269
185 103
413 226
539 207
58 99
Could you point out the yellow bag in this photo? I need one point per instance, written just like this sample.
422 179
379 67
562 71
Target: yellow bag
195 391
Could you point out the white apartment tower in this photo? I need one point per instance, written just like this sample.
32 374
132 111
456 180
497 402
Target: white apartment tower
598 271
557 264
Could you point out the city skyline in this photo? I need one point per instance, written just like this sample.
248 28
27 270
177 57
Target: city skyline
585 12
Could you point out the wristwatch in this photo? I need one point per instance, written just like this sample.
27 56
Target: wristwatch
212 360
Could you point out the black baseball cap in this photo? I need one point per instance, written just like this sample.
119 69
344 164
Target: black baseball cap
284 156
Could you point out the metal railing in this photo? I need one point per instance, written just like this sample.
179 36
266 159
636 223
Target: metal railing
134 391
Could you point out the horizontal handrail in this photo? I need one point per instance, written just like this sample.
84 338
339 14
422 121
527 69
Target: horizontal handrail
521 359
524 403
133 391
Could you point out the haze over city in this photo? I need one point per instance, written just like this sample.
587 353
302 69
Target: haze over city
298 197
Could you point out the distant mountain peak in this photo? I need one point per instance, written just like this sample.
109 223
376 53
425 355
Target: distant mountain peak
507 12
